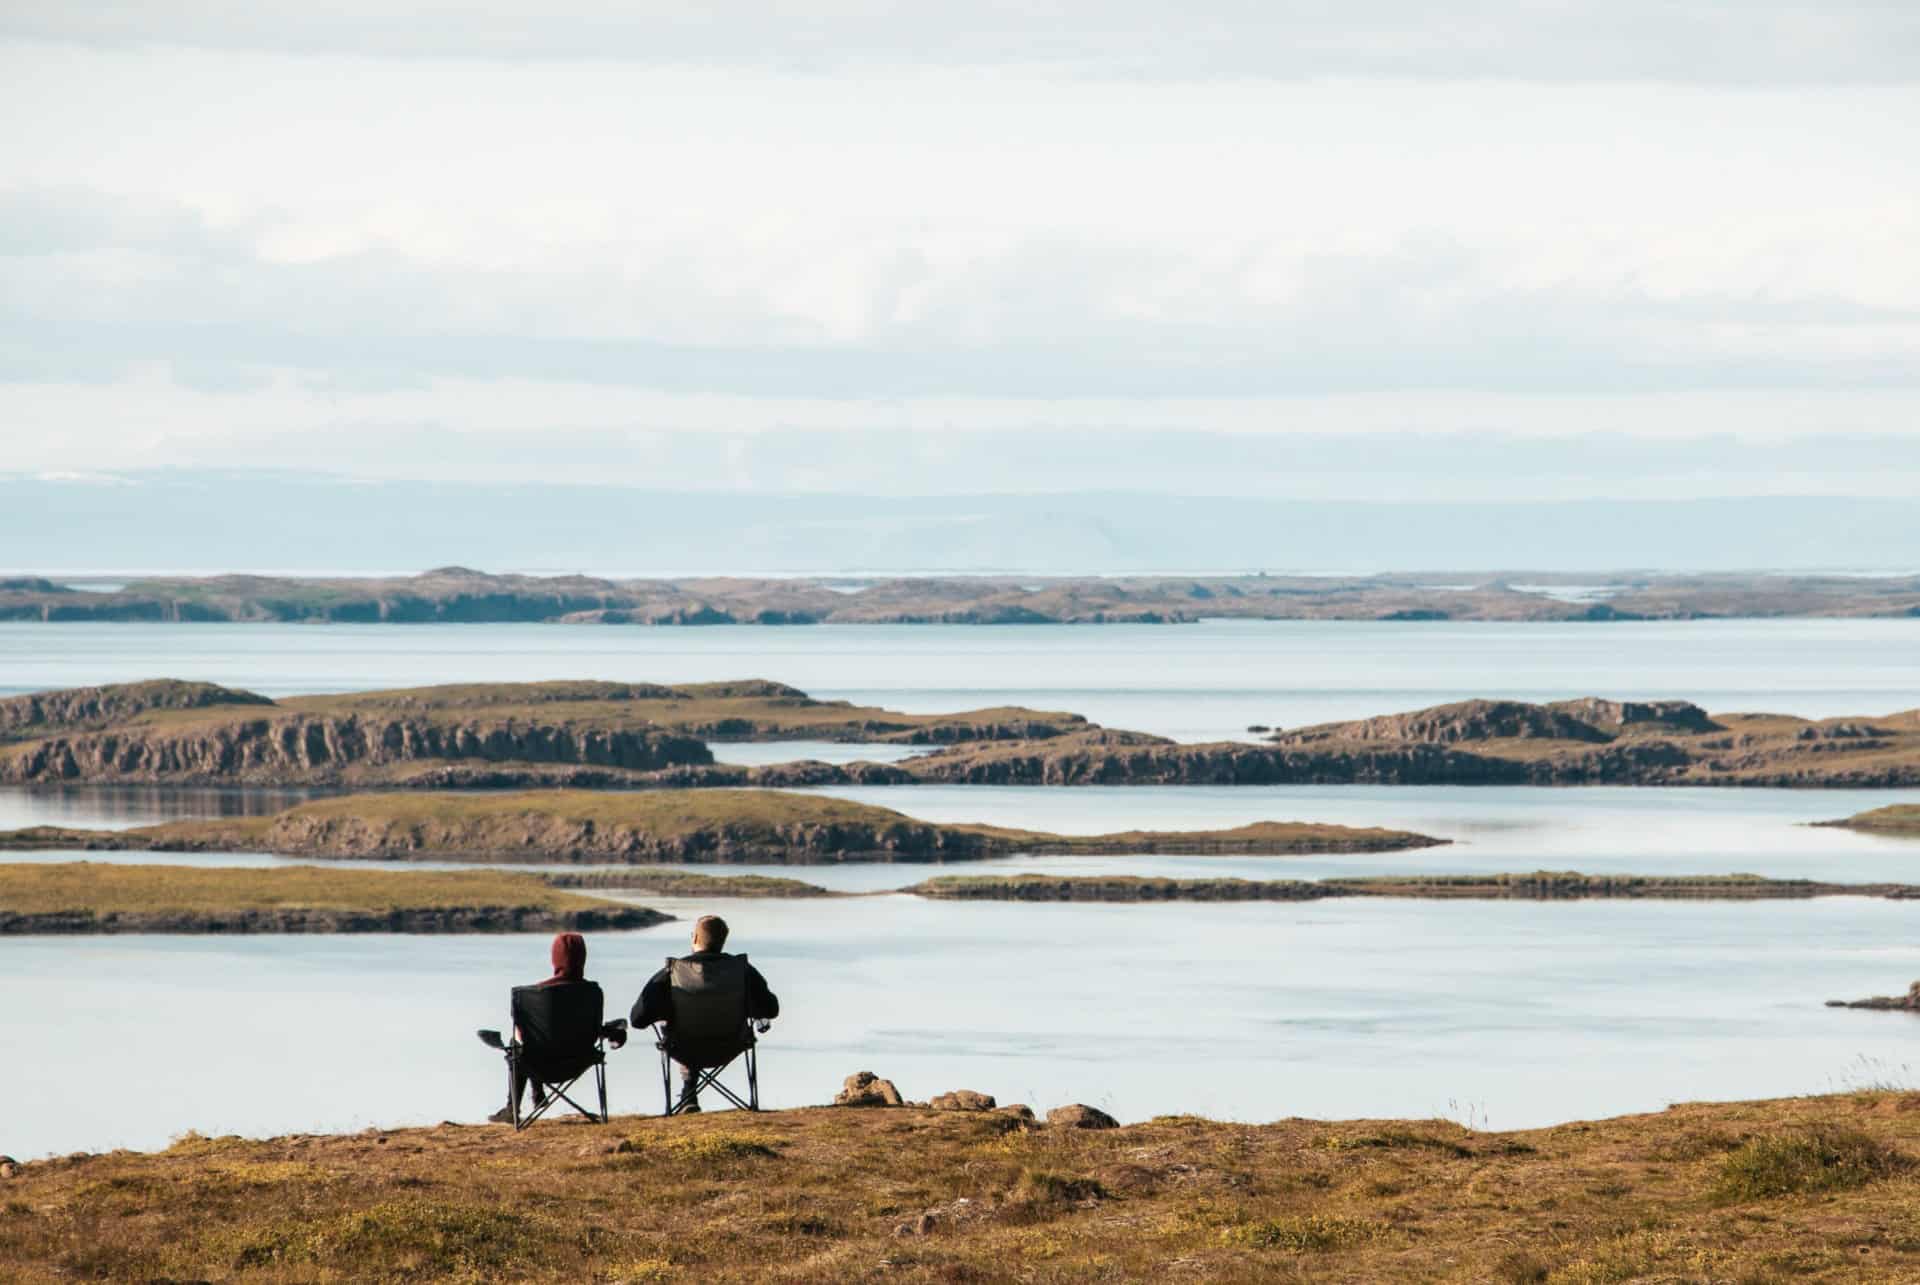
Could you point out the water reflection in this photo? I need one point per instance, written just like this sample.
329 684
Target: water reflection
118 807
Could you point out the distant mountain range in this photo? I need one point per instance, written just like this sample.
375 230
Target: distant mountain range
305 524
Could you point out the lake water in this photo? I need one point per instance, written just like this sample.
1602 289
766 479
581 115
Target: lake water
1508 1015
1195 682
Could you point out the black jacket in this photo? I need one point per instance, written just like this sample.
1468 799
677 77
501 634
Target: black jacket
656 998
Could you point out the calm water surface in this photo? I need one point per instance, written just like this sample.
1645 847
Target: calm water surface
1508 1015
1195 682
1502 1014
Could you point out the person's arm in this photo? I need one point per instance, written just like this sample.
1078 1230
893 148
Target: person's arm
656 1001
762 1004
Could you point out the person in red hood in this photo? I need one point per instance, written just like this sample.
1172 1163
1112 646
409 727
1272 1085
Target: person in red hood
569 956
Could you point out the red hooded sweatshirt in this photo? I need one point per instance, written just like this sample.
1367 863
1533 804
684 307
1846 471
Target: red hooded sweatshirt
569 959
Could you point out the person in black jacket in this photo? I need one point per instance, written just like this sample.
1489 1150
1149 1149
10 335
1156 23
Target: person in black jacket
656 998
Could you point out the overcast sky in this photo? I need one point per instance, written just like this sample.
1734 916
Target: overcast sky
499 240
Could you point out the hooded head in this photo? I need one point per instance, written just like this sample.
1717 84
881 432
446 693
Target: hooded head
569 957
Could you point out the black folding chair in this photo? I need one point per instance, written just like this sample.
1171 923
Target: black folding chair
710 1030
558 1038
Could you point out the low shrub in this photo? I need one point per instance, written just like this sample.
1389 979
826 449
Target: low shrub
1816 1158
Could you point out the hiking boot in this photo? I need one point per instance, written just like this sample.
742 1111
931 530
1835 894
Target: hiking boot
503 1116
689 1108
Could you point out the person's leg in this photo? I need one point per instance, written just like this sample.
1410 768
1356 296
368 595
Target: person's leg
689 1087
517 1091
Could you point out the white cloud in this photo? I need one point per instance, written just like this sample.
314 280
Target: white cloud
1686 41
220 239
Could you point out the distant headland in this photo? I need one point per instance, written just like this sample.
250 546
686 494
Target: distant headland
460 594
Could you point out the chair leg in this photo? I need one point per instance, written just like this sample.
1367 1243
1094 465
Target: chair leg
600 1075
666 1082
753 1079
513 1091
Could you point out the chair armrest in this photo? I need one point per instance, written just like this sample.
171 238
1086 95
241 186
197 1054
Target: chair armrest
492 1040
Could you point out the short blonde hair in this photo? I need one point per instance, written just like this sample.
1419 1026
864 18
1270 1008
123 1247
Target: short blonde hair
710 933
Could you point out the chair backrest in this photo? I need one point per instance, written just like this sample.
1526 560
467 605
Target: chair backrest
563 1019
709 1007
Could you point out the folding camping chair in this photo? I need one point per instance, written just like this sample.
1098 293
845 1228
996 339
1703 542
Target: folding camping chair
710 1030
559 1037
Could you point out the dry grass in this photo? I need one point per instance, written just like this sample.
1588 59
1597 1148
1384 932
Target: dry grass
913 1195
34 888
666 813
687 883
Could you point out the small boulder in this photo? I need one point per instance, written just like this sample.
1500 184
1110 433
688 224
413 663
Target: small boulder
865 1089
9 1167
931 1220
963 1100
1078 1115
1018 1111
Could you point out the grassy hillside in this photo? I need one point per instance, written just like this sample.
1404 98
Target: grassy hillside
1819 1189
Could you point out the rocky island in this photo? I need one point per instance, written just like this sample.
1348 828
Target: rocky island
691 826
167 730
1900 821
466 595
601 735
1908 1003
91 897
1477 742
1538 885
